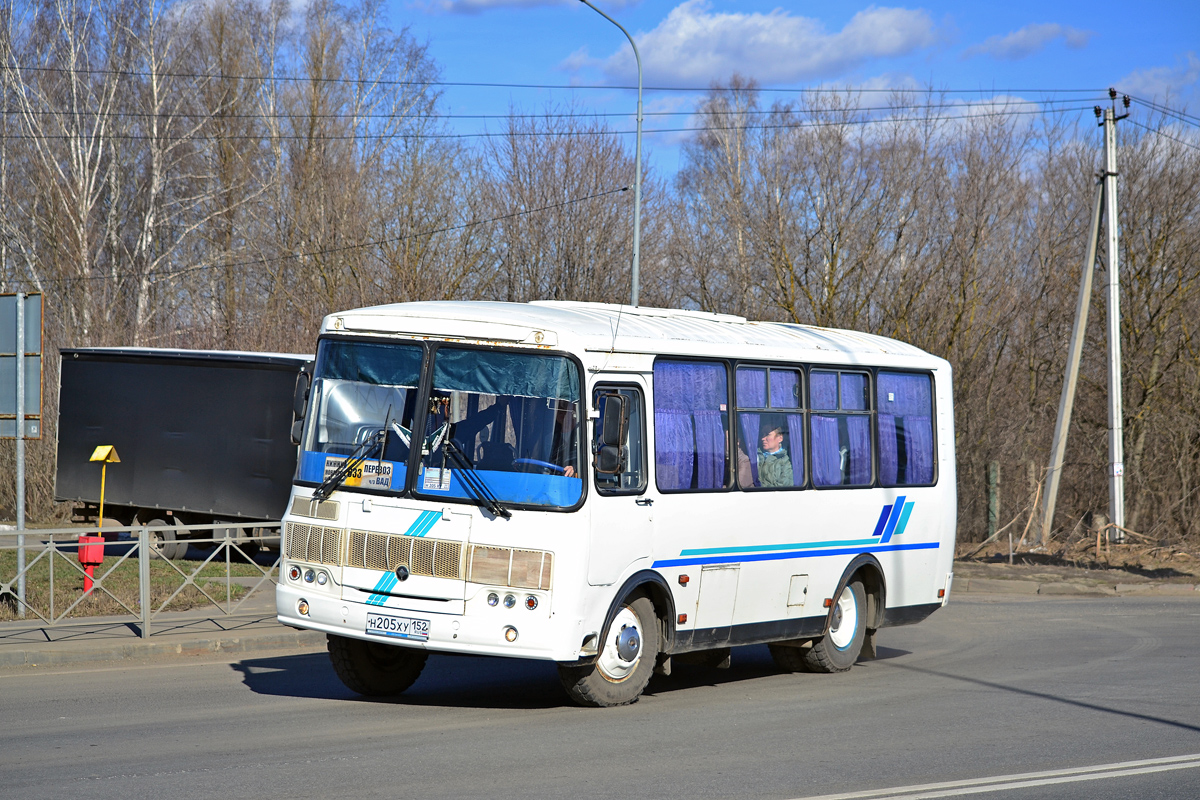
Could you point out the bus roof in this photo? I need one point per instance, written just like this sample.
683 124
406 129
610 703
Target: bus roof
605 327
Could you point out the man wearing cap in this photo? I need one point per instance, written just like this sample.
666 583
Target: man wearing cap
774 465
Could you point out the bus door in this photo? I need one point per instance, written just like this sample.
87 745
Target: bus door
622 511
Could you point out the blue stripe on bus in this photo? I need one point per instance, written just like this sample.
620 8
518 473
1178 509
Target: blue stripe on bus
839 551
893 518
903 523
386 582
758 548
424 523
883 518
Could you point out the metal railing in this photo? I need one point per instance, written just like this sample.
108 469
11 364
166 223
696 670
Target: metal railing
137 577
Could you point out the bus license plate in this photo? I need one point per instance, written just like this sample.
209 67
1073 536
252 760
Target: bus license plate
398 627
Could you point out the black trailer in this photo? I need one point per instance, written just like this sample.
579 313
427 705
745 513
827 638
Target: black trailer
203 436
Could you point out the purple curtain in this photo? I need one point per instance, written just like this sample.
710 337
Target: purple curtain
905 403
750 441
824 390
859 457
751 388
785 389
689 434
826 460
796 442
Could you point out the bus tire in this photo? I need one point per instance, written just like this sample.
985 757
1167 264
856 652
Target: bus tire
374 669
789 658
838 649
614 680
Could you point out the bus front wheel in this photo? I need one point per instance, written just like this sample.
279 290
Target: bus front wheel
838 649
373 669
625 663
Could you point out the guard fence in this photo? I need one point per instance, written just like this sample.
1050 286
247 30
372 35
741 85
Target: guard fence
142 572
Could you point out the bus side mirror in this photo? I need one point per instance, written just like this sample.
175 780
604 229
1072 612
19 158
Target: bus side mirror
300 403
614 429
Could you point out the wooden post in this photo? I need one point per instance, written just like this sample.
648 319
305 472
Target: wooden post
993 498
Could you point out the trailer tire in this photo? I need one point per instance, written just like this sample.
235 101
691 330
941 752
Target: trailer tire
164 541
372 668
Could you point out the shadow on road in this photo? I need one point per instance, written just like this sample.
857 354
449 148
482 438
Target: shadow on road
488 682
1053 698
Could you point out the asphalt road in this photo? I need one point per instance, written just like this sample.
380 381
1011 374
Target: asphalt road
997 697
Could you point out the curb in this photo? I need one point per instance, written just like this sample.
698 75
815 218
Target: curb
1065 588
77 653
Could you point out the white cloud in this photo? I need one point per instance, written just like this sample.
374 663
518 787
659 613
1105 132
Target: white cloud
1162 82
1029 40
478 6
696 46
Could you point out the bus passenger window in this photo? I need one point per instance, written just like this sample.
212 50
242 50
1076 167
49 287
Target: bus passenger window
770 428
840 428
905 403
691 425
631 479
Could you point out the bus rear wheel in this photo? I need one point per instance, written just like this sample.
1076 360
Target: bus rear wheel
374 669
625 663
838 649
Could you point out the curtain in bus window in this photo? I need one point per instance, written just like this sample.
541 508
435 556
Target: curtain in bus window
499 373
824 390
905 406
858 467
796 447
785 389
826 457
751 387
748 447
368 362
689 433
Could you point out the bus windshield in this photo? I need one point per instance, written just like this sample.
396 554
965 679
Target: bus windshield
504 424
364 398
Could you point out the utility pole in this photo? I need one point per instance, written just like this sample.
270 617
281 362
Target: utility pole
1106 201
637 168
1116 446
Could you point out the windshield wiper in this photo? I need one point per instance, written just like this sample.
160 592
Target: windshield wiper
475 485
355 459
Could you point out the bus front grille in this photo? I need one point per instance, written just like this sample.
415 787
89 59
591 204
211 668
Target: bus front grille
433 558
314 543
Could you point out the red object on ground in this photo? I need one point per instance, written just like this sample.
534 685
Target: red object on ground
91 555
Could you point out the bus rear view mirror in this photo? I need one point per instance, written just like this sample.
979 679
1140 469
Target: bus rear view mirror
300 398
614 428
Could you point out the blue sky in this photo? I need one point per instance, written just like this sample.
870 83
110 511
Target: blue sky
1015 48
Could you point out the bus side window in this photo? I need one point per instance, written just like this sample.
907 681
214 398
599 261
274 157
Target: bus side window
631 475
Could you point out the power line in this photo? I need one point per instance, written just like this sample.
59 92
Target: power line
604 132
1158 132
326 251
1182 116
564 86
555 115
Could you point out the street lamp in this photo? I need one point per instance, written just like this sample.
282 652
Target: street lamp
637 170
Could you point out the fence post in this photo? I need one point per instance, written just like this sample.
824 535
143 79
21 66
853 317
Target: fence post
144 578
993 498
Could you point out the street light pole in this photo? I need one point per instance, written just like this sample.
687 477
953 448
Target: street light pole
637 170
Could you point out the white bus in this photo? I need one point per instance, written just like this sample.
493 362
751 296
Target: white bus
610 487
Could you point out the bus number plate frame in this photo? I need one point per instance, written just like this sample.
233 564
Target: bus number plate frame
411 628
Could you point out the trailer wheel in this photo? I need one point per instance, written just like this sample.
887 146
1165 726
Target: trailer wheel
374 669
164 541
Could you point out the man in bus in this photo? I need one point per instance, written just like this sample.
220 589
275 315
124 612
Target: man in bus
774 464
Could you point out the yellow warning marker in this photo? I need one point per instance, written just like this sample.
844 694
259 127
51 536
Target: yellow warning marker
106 454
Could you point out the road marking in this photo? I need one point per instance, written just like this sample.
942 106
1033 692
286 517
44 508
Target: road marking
1026 780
